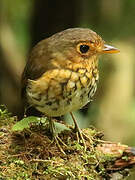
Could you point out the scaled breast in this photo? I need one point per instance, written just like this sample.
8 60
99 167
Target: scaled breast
60 91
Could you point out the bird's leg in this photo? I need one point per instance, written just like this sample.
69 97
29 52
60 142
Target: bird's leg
77 129
55 136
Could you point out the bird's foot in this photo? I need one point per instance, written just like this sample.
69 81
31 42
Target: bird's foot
79 133
56 138
80 138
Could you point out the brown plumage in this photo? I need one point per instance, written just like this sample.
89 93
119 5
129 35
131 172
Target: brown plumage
62 71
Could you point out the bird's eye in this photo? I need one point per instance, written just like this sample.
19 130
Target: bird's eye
84 48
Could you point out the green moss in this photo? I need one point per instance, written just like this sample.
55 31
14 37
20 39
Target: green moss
31 154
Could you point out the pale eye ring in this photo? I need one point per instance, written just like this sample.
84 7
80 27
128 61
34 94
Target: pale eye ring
84 48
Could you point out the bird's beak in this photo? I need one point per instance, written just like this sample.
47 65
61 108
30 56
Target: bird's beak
109 49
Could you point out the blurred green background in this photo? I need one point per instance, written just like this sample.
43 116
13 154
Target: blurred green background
25 22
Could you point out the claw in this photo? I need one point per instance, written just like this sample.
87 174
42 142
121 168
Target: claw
78 130
55 136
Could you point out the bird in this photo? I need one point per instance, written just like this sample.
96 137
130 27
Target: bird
61 73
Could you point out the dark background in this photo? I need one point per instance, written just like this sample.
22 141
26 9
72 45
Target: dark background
25 22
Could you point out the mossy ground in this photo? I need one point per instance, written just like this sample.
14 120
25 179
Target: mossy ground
31 154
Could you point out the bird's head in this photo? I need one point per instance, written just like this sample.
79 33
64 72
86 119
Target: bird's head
77 45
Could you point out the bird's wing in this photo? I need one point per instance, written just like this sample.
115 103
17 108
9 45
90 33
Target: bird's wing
37 64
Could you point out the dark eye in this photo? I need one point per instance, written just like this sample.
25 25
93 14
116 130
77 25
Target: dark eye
84 48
